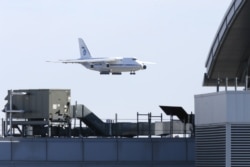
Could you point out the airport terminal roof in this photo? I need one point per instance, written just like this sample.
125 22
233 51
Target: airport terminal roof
229 56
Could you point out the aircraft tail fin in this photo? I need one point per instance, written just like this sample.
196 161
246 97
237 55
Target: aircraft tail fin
85 54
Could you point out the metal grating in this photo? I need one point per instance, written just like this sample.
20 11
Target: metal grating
211 146
240 145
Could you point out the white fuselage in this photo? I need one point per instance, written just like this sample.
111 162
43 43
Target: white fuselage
119 66
106 65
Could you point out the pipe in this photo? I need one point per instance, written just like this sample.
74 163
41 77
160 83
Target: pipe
236 83
226 84
246 83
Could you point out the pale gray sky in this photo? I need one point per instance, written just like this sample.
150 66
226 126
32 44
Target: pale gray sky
176 34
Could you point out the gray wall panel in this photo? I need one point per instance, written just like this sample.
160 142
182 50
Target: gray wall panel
190 150
5 164
97 152
170 151
93 164
64 149
100 150
48 165
119 165
221 107
29 150
176 164
210 108
134 150
5 150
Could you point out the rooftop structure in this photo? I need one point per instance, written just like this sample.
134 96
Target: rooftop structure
229 56
39 131
222 118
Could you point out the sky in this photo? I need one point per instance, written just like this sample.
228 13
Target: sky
176 34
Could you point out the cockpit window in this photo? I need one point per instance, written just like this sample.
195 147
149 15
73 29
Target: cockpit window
134 59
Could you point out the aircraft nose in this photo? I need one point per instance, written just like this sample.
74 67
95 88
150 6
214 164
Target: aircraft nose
143 66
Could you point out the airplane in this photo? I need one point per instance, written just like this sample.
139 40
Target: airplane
107 65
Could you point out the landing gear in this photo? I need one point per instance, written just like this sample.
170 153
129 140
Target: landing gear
132 73
104 73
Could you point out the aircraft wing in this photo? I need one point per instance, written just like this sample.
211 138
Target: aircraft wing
92 60
146 62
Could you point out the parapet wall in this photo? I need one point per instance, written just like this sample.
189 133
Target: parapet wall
93 152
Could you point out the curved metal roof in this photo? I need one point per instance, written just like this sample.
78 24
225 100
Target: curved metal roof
229 56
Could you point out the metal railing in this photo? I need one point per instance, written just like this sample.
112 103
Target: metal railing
149 132
225 82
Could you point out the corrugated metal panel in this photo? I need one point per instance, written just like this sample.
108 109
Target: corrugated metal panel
211 146
240 145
